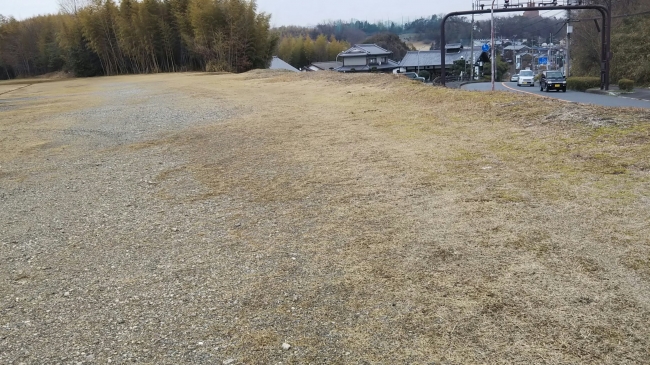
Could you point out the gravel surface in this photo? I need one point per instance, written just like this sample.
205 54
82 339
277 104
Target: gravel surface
318 218
95 267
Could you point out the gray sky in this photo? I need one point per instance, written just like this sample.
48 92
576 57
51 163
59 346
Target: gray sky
292 12
21 9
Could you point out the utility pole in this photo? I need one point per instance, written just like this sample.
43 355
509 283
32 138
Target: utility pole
548 58
472 47
569 30
493 61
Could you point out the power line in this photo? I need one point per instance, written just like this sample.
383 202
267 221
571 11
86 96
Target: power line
537 22
618 16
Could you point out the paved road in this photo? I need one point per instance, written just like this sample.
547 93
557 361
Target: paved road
571 96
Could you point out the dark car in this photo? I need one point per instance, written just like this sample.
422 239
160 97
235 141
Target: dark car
413 76
552 80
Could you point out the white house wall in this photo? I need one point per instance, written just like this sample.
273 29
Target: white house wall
354 61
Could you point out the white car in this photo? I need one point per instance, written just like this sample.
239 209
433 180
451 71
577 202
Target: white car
526 77
514 78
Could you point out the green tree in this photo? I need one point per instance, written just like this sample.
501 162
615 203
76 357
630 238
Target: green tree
285 48
630 31
391 42
335 47
91 37
320 48
308 46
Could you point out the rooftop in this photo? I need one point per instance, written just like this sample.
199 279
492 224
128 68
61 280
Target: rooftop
279 64
432 58
326 65
516 48
365 49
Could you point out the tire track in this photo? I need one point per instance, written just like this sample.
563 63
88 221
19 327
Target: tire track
22 87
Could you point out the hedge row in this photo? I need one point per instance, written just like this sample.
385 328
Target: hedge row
626 85
582 83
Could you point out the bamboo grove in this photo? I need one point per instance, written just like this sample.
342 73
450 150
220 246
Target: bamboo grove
108 38
300 51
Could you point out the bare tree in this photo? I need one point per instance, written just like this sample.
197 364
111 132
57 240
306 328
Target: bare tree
72 6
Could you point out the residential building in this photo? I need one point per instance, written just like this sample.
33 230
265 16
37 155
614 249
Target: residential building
415 61
510 53
366 58
324 66
279 64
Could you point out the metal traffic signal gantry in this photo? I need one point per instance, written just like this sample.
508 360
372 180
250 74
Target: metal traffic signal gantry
518 6
505 4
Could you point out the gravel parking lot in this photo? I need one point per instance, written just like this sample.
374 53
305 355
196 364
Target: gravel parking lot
271 218
96 268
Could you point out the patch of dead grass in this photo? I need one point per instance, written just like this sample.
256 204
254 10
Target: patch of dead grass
542 189
30 115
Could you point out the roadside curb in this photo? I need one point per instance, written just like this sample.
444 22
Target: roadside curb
601 92
612 93
470 82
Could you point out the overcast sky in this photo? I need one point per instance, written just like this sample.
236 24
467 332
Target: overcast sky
293 12
285 12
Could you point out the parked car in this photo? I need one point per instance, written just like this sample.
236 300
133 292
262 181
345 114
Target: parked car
526 77
413 76
552 80
514 78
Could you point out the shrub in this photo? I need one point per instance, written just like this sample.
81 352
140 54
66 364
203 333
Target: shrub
487 68
425 74
217 66
626 84
582 83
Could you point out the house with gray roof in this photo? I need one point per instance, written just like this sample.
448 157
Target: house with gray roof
517 48
366 58
279 64
324 66
431 61
513 52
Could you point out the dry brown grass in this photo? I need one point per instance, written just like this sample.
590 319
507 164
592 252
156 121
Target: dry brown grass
427 224
30 110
